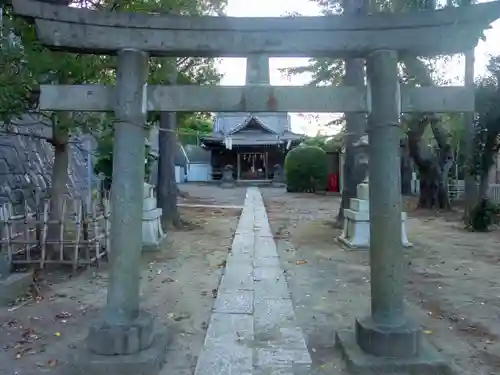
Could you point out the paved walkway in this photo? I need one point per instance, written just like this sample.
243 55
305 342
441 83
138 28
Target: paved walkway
253 330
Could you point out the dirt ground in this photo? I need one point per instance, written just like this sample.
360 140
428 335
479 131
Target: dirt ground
453 288
178 286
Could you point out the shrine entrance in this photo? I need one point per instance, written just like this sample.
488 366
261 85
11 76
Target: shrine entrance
252 166
387 338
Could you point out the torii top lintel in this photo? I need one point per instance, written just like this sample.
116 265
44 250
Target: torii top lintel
426 33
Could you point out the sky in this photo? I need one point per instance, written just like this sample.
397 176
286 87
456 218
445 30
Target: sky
234 68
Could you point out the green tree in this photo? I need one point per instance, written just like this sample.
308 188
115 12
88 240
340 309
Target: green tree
486 145
166 71
306 169
23 54
433 167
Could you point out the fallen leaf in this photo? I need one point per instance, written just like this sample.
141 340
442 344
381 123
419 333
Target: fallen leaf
63 315
427 331
300 262
57 334
52 362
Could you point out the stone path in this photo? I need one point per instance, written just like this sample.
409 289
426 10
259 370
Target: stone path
208 206
253 330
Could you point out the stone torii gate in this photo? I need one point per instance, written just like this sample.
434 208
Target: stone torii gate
124 340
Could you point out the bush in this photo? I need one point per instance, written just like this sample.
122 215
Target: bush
306 169
484 215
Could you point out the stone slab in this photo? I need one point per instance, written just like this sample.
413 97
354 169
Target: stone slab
227 349
238 276
273 313
229 328
242 259
294 369
13 286
278 356
268 273
271 289
267 262
146 362
265 247
243 244
275 325
429 361
237 302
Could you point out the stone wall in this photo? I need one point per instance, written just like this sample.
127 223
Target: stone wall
26 161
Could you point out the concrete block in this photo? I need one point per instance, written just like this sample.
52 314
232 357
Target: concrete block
237 302
146 362
13 286
427 362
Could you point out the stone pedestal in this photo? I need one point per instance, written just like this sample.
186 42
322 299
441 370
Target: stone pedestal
227 179
278 176
356 233
152 232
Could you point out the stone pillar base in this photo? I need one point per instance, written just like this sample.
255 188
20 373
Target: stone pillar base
125 339
400 342
382 355
81 361
227 185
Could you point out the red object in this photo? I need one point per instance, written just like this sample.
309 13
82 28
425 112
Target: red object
333 182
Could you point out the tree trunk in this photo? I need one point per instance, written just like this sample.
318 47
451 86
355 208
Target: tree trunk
484 184
470 188
167 187
355 124
406 170
59 180
433 170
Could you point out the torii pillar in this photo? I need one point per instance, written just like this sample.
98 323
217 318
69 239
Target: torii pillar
387 340
124 340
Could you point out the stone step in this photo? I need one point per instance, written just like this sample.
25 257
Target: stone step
253 329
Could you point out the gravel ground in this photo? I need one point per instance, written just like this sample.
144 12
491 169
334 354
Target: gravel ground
178 286
452 287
